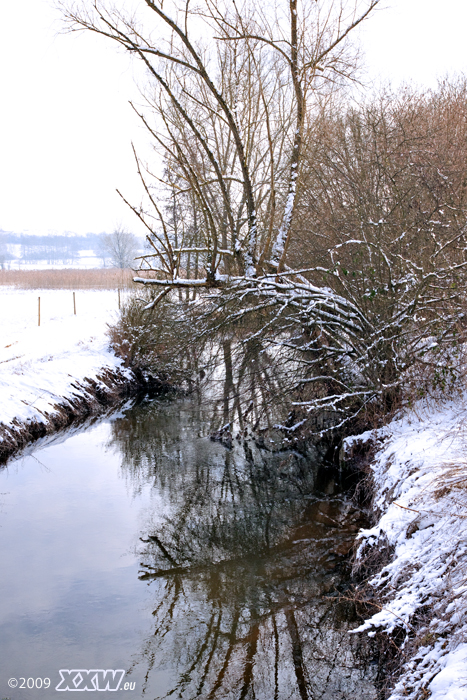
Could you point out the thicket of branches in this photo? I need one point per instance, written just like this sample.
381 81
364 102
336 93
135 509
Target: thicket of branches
382 224
285 223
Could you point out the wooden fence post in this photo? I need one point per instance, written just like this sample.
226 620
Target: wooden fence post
38 311
74 303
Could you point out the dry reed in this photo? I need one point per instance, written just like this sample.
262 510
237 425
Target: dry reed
110 278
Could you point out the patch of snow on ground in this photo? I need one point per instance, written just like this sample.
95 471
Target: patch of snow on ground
420 485
39 365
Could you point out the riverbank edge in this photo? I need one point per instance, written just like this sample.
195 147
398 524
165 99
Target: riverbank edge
91 397
410 566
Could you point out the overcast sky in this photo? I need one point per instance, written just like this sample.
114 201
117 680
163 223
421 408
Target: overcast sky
66 126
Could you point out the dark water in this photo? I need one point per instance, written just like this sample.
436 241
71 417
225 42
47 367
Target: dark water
138 544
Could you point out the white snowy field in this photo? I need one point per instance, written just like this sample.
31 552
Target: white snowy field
40 364
83 260
420 482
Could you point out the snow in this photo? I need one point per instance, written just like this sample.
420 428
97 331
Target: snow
40 365
447 683
279 243
420 494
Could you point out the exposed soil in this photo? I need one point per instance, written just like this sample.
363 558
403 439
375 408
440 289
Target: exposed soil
92 398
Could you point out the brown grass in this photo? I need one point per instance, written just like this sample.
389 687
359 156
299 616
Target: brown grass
68 279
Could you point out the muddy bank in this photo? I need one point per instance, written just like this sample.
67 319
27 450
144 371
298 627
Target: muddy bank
92 397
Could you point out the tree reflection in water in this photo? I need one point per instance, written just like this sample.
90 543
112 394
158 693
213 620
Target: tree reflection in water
244 565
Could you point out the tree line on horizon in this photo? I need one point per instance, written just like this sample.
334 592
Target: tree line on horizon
116 249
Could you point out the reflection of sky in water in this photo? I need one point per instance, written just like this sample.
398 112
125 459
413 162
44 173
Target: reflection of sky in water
71 515
69 590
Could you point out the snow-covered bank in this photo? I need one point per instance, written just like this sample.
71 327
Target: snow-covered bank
420 498
58 371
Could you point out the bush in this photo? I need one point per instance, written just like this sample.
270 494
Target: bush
155 341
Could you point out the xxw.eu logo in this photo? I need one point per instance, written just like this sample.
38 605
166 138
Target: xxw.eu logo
94 679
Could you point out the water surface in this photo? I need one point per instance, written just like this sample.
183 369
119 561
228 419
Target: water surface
138 543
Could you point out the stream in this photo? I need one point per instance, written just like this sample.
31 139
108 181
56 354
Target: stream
137 545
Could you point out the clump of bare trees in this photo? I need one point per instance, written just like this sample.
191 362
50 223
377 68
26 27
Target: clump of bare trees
331 236
383 224
120 247
3 251
228 112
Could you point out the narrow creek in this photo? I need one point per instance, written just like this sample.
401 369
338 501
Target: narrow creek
139 544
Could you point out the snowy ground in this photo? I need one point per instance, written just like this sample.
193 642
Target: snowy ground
39 365
420 477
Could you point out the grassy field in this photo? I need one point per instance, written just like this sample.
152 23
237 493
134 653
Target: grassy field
110 278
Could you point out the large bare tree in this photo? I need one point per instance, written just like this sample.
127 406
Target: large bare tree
234 106
232 89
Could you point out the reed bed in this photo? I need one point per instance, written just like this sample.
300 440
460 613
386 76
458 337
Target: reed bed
110 278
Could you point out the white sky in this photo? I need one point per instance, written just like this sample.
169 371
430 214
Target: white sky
66 126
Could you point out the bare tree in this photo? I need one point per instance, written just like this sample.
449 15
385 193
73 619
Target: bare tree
121 247
229 113
237 119
4 256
